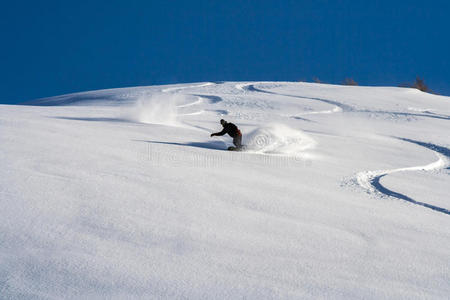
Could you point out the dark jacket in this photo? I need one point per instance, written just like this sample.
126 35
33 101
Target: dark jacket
229 128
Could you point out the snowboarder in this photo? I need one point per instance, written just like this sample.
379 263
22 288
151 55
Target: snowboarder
232 131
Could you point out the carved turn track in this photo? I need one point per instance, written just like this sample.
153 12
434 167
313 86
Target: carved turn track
371 180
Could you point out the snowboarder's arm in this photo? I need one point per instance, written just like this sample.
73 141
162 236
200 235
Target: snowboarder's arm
220 133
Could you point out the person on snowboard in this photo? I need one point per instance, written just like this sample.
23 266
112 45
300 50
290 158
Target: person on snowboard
232 131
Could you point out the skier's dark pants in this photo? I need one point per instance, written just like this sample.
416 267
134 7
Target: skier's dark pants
237 141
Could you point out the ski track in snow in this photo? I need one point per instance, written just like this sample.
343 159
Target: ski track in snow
212 99
405 114
338 107
167 90
428 112
192 113
198 101
371 180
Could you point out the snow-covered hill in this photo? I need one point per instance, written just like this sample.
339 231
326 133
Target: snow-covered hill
118 194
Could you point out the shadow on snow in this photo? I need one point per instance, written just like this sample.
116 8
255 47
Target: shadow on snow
96 119
215 145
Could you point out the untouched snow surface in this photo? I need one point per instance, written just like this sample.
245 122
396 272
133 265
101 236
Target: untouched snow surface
119 194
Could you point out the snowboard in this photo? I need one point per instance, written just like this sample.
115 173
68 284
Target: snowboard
231 148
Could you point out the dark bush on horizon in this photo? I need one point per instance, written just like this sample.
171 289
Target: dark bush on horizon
421 86
349 81
418 84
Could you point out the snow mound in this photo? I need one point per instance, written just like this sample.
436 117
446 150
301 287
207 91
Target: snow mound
278 139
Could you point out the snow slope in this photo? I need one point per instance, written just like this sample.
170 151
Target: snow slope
122 194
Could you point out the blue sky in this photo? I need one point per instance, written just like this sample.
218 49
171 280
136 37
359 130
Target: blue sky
56 47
